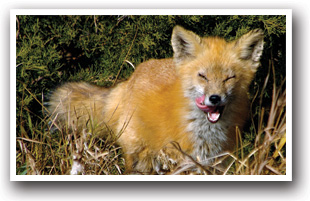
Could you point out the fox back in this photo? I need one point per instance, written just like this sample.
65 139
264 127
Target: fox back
173 110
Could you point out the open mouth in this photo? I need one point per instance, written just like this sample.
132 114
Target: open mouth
213 112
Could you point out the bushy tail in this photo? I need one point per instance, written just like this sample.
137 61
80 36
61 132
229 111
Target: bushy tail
78 104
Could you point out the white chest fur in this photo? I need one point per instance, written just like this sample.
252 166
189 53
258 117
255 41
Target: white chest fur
208 138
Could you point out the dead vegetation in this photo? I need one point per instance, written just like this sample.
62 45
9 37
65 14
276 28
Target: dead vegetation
53 150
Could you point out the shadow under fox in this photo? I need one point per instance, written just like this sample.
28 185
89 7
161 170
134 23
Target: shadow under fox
197 99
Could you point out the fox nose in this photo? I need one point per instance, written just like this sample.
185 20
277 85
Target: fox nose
215 99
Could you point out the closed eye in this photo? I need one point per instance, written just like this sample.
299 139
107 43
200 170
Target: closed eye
203 76
228 78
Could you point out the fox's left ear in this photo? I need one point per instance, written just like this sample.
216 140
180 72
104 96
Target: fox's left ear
250 46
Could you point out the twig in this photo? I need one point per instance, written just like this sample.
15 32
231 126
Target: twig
18 27
126 56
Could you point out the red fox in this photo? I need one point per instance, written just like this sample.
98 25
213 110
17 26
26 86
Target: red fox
196 99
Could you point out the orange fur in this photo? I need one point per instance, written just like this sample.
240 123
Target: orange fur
156 106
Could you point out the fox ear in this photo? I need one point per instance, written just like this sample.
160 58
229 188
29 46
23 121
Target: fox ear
250 46
185 44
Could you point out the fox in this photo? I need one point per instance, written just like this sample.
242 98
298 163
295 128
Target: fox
197 100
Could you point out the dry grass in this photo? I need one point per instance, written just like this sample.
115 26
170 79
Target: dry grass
60 151
53 150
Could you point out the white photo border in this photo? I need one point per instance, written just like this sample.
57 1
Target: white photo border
286 12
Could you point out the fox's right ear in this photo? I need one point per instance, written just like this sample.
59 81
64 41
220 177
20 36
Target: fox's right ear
185 44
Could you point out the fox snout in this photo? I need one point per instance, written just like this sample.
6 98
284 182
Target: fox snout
212 106
215 99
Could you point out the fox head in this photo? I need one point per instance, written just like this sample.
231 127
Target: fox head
216 73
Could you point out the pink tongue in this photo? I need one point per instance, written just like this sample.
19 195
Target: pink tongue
200 104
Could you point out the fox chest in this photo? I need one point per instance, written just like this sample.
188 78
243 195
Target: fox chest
208 139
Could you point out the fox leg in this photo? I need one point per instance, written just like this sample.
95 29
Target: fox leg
138 158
